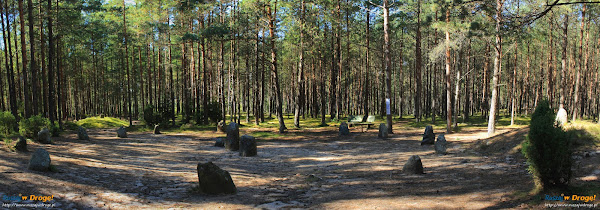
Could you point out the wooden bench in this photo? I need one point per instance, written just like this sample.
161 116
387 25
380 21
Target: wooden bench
358 120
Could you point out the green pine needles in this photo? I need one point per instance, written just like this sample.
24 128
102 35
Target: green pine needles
548 150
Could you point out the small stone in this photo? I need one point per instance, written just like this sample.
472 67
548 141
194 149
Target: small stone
219 142
344 131
156 129
40 160
383 131
428 136
44 136
21 145
233 137
214 180
248 146
440 145
82 134
121 132
413 165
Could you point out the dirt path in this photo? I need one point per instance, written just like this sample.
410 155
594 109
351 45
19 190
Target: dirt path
312 171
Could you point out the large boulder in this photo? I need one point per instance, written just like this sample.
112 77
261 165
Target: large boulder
156 129
233 137
561 117
122 132
247 146
428 136
413 165
383 131
21 145
219 142
82 134
344 131
221 126
214 180
44 136
40 160
441 144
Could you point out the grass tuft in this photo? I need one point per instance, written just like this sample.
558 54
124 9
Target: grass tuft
105 122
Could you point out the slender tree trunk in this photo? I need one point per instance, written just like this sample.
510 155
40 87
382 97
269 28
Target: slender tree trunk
9 63
127 67
26 91
51 102
366 85
580 69
448 87
497 70
300 91
514 85
419 63
272 18
387 61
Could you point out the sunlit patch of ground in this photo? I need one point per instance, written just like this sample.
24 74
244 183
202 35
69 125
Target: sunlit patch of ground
305 168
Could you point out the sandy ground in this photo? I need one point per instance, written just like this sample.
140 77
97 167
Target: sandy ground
314 169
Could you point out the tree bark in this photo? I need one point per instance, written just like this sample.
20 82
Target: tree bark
497 71
300 89
448 88
387 61
578 74
272 14
419 63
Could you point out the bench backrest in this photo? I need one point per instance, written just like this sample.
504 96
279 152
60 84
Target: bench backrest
355 118
371 118
359 118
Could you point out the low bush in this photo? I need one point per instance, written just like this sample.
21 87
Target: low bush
153 116
7 123
31 126
210 114
548 150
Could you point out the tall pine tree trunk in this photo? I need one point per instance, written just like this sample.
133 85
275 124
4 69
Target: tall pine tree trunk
497 70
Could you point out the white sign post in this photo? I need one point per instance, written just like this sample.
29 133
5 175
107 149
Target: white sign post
387 106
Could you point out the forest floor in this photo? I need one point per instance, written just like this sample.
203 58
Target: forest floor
308 168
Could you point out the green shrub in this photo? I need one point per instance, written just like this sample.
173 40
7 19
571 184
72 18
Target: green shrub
150 117
55 130
160 116
31 126
69 125
548 150
211 114
7 122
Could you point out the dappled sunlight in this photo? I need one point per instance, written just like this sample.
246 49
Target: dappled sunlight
322 170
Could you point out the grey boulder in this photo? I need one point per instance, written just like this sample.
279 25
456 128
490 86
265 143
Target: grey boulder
40 160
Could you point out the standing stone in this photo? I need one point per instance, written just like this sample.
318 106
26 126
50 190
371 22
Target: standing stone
21 145
44 136
428 136
214 180
383 131
233 137
82 134
121 132
219 142
561 117
156 129
413 165
247 146
441 144
344 131
40 160
221 126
